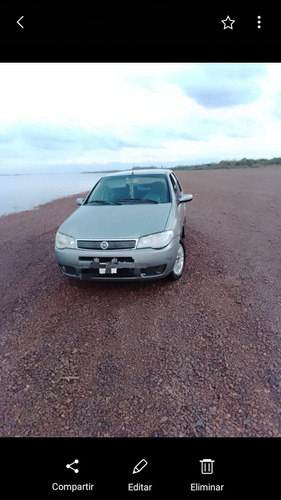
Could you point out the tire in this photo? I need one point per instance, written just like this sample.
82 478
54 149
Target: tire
179 264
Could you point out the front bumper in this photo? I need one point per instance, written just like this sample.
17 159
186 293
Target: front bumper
118 265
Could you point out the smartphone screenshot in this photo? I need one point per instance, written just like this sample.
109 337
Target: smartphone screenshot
140 183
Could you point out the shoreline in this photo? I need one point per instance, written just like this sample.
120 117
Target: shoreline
178 172
37 207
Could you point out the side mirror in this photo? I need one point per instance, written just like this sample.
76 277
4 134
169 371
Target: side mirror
80 201
185 197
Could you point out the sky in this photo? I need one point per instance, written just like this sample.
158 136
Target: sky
95 116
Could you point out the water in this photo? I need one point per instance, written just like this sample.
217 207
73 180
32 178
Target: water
26 191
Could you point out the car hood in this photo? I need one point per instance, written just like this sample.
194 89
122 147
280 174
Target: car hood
116 221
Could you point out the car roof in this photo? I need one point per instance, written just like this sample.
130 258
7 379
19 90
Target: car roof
141 171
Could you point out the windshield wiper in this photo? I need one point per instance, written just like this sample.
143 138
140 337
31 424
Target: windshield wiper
104 202
147 200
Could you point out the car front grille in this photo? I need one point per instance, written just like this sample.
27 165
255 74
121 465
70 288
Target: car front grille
104 260
112 244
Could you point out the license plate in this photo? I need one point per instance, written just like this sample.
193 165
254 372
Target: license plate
102 270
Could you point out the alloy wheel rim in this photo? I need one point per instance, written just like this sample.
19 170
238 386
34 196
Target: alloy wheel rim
179 263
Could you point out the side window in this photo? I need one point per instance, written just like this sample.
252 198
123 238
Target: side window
175 185
179 185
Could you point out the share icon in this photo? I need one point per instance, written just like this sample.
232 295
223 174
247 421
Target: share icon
68 466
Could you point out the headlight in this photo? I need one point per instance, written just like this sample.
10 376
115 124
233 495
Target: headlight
64 241
156 240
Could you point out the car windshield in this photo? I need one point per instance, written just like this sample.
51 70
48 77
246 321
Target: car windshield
130 189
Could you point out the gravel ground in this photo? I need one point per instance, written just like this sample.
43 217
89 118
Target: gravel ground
198 357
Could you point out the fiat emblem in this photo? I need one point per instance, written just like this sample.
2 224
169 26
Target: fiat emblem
104 245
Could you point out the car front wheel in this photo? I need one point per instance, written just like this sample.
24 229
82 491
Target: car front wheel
179 263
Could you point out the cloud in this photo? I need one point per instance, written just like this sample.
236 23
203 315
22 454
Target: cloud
45 140
222 85
104 113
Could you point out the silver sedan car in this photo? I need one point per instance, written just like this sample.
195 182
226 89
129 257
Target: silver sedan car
130 227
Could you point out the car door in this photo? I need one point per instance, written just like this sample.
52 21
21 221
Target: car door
181 206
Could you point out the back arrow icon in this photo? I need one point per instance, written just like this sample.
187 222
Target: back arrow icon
18 21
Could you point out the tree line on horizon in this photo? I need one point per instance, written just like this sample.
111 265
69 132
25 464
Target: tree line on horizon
244 162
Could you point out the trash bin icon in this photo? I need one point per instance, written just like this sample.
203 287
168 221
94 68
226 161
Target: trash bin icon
207 466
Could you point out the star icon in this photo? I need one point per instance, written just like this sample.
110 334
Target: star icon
227 23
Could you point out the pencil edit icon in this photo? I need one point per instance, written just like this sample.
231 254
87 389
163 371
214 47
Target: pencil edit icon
141 465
